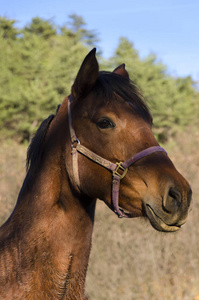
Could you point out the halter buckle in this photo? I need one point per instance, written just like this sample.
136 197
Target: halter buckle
121 169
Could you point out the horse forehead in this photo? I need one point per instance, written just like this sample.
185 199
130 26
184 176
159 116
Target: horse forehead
119 110
117 107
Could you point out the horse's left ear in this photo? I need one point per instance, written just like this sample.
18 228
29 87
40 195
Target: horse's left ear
87 76
121 71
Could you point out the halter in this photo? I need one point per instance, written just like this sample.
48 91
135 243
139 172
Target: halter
118 169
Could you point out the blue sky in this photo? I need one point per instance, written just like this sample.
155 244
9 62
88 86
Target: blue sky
168 28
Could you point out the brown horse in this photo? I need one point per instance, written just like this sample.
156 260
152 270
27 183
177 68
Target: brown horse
45 243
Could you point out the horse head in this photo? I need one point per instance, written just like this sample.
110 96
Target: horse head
111 121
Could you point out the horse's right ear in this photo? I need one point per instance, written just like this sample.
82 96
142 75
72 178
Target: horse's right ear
86 77
121 71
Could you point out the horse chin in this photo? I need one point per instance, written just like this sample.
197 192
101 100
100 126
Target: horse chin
158 223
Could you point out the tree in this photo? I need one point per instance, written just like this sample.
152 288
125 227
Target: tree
77 24
40 27
35 70
7 29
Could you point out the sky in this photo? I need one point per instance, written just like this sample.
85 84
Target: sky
168 28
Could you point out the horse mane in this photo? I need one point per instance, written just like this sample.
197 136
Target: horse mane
35 148
108 84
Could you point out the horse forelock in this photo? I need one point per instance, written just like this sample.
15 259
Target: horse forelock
109 85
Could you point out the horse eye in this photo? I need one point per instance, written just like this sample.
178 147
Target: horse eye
105 123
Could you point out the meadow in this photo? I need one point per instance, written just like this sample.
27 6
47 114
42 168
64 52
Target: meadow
129 259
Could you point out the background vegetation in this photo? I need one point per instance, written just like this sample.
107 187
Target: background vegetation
39 63
129 259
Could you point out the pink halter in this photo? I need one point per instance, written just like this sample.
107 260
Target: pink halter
118 169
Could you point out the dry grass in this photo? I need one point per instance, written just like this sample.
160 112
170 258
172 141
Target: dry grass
12 171
129 259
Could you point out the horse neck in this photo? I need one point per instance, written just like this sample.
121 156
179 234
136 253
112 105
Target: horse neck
48 236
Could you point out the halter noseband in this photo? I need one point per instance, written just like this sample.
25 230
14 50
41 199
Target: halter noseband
118 169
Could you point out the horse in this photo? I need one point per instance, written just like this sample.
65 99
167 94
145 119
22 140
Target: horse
98 146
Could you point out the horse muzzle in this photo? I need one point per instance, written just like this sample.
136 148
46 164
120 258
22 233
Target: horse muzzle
173 211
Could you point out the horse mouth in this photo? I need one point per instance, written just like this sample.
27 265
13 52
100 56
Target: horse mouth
158 223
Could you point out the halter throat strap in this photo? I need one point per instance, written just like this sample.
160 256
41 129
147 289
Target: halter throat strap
118 169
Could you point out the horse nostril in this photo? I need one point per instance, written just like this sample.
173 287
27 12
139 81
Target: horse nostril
189 197
172 200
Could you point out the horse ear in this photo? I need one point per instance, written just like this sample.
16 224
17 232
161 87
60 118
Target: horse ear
87 76
121 71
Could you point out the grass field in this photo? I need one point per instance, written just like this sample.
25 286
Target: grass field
129 259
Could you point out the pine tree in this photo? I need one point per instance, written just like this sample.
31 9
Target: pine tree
40 27
37 70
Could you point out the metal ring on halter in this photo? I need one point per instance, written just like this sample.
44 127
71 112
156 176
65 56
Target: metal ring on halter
75 141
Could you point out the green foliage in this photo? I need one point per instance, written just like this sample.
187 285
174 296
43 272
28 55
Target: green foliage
37 70
77 24
38 26
7 30
39 63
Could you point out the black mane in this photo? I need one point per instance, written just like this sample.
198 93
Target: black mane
108 84
35 148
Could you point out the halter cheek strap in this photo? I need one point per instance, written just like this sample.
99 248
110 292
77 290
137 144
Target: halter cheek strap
118 169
